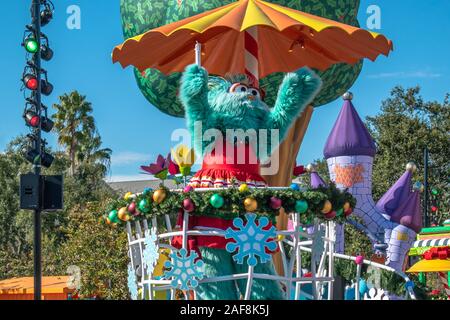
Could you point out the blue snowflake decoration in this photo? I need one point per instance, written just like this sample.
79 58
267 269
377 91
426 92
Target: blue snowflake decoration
150 254
184 270
251 240
132 283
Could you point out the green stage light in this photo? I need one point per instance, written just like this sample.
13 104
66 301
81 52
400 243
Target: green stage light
31 45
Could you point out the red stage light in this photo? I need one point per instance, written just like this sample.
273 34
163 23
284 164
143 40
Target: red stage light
30 82
32 119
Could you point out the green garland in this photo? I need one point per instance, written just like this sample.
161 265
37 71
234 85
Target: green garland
233 206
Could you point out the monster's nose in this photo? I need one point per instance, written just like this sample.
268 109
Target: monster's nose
251 97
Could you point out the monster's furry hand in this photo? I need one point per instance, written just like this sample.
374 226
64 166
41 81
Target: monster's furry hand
296 92
194 92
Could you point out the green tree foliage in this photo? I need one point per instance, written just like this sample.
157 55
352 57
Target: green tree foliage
99 251
74 125
84 164
404 127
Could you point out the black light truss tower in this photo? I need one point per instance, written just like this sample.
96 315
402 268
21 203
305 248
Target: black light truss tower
32 189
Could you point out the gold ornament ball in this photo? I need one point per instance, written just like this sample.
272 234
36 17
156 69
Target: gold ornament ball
243 187
127 195
346 206
250 205
123 214
159 196
327 207
280 237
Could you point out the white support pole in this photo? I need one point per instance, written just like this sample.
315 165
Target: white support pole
331 239
168 223
248 290
198 54
313 267
185 229
358 277
298 261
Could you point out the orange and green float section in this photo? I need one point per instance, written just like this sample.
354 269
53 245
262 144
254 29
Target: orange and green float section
322 204
139 16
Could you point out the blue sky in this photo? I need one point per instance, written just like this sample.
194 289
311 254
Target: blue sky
137 132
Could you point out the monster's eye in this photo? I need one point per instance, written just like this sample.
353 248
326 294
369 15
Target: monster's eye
238 88
255 92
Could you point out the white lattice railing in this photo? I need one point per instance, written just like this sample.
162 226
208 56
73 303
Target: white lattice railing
319 243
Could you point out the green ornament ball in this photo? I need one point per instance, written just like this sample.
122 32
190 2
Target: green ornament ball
144 206
114 216
216 201
301 206
435 192
340 212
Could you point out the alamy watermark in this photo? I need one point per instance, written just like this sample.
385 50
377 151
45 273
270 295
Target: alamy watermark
73 21
374 17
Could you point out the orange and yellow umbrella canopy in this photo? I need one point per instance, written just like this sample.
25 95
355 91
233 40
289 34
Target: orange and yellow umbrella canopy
287 40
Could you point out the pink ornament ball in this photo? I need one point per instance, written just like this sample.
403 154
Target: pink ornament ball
359 259
188 189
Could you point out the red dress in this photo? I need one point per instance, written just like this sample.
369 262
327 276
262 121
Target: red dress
220 169
229 166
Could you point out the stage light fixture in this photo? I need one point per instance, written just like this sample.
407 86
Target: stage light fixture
31 45
30 81
46 53
46 87
32 119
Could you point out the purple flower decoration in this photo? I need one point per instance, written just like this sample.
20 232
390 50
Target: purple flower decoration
162 167
155 168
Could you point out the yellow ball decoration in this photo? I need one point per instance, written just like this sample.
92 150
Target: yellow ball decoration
159 196
281 237
346 206
127 195
243 187
327 207
251 205
123 214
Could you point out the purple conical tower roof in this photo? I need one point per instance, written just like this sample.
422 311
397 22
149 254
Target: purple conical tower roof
349 136
409 213
317 181
396 195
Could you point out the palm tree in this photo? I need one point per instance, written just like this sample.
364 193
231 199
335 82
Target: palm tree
73 123
90 152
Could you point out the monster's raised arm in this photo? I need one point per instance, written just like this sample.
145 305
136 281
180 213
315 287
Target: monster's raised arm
297 90
194 94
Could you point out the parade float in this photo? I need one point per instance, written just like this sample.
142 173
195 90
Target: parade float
430 255
217 237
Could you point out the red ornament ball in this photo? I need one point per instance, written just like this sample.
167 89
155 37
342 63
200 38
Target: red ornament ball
275 203
348 212
188 205
132 208
330 215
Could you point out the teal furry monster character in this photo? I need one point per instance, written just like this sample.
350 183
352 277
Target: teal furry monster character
215 103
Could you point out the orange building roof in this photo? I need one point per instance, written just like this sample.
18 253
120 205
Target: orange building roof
58 284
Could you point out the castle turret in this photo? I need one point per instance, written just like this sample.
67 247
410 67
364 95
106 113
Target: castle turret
394 221
316 179
409 217
350 151
397 194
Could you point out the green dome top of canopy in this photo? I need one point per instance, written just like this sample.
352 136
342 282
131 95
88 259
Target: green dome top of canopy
139 16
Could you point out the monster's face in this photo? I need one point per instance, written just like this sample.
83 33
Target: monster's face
236 105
